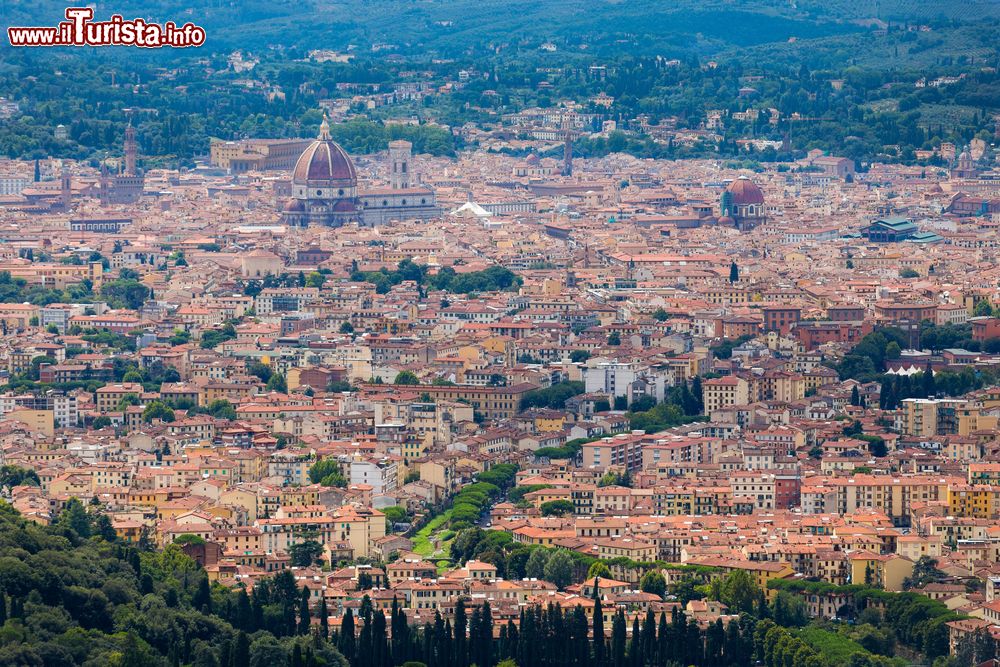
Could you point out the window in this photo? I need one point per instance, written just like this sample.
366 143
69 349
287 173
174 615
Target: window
319 192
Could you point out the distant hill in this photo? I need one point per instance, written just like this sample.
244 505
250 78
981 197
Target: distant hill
452 28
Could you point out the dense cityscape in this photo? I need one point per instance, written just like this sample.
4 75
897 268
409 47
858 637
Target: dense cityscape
636 343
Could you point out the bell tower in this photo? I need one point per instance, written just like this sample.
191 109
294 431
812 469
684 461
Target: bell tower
399 157
66 188
131 150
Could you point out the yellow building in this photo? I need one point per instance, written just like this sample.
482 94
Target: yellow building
38 421
360 526
440 473
924 417
725 392
230 391
110 395
549 420
18 315
978 501
885 571
491 402
55 275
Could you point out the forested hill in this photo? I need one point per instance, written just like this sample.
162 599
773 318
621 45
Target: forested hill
456 27
71 595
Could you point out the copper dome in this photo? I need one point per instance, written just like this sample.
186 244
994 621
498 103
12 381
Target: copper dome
323 161
744 192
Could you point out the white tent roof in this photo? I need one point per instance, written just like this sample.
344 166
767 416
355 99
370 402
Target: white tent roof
471 210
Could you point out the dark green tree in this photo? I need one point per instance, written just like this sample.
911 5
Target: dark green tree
305 619
618 639
346 640
598 624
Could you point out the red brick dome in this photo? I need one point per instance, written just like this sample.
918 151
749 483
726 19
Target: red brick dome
324 162
744 192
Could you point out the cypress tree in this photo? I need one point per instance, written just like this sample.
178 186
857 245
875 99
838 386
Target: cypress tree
304 620
241 650
618 639
366 609
526 643
226 654
512 637
440 639
554 637
734 272
485 640
345 642
203 597
428 644
930 388
635 653
693 644
400 634
363 656
581 640
649 636
502 643
663 641
715 639
461 651
3 607
598 625
324 619
380 646
474 656
732 648
447 645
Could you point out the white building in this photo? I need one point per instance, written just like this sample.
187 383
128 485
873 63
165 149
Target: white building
610 377
13 185
63 407
380 474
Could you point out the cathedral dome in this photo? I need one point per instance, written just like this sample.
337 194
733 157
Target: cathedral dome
324 162
744 192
